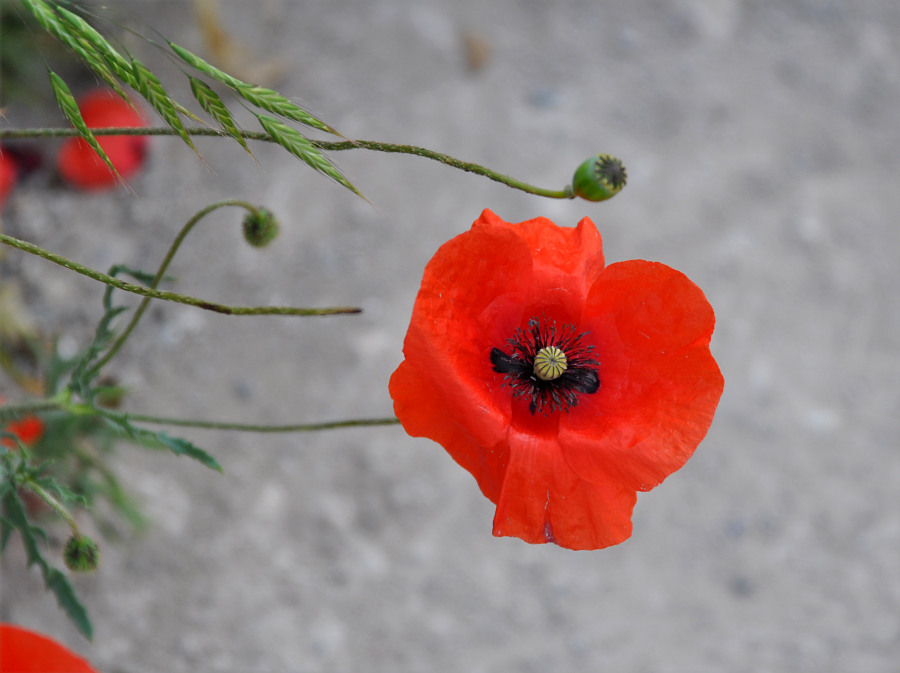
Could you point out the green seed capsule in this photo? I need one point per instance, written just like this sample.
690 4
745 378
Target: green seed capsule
260 229
81 554
599 178
550 363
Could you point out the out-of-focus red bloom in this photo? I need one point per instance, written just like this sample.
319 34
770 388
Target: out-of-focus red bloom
80 166
28 429
24 651
8 174
563 385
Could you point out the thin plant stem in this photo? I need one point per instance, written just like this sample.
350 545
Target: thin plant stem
145 291
185 230
329 146
250 427
54 504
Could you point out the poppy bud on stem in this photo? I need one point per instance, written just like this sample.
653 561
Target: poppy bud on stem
81 554
260 227
599 178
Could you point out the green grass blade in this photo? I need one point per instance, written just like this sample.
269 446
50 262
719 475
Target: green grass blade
261 97
153 92
209 100
278 104
67 28
195 61
302 148
70 108
86 32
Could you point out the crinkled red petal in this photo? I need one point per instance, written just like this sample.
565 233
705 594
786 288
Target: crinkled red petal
543 500
651 328
24 651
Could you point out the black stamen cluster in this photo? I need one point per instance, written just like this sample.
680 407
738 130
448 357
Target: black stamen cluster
560 393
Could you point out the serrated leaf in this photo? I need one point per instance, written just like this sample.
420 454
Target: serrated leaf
267 99
180 447
209 100
70 108
54 579
302 148
153 92
58 583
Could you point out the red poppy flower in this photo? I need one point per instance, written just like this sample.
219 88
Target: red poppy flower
9 171
80 166
24 651
28 429
563 385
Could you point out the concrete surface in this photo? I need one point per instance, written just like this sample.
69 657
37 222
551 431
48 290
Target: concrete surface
762 145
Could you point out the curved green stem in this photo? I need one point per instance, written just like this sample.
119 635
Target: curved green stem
185 230
145 291
54 504
333 146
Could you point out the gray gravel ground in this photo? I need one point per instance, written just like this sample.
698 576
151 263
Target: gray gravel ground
762 145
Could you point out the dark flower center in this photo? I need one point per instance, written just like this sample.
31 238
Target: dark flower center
549 366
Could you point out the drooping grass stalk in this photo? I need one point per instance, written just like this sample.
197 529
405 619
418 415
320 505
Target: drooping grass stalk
324 145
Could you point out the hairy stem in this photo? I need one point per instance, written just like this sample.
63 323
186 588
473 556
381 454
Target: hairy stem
332 146
145 291
249 427
185 230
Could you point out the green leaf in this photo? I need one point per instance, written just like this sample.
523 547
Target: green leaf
54 579
58 583
301 147
209 100
260 96
180 447
70 108
193 60
153 92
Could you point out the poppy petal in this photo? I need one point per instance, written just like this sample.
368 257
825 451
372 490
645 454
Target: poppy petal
424 412
660 385
543 500
24 651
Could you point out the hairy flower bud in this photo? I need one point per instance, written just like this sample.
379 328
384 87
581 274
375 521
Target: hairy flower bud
81 554
599 178
260 228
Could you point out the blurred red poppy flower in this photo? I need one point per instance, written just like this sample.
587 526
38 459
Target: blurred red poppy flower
24 651
9 171
563 385
28 429
80 166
